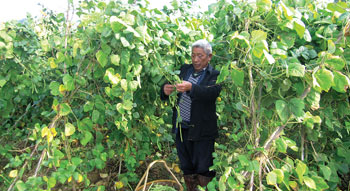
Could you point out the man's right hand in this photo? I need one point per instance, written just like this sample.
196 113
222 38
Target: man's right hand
168 89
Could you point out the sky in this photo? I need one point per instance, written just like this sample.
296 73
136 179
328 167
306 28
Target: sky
18 9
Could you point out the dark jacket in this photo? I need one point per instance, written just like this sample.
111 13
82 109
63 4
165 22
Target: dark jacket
203 108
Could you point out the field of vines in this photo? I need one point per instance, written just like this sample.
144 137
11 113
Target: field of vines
80 107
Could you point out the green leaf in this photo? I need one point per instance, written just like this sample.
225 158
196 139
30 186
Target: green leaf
331 46
117 24
21 186
127 105
282 110
224 72
106 49
60 57
125 42
258 35
339 7
335 62
281 145
238 76
324 78
296 69
54 87
115 59
288 39
88 106
95 116
102 58
341 82
45 45
69 129
297 106
326 171
280 175
87 137
68 81
2 83
51 182
76 161
271 178
125 58
124 84
309 182
65 109
299 27
320 183
301 169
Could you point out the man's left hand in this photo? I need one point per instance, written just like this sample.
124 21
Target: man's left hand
184 86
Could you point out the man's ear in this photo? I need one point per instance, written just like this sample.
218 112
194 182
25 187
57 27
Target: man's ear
210 56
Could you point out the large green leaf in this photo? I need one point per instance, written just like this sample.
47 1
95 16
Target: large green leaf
309 182
339 7
271 178
125 57
65 109
102 58
341 82
224 72
299 27
115 59
335 62
258 35
300 170
54 87
297 106
288 39
320 183
238 76
326 171
86 138
68 81
282 110
296 69
324 78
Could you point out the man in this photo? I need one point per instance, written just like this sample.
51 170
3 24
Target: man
196 133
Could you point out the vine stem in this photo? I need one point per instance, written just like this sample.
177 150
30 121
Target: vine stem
43 154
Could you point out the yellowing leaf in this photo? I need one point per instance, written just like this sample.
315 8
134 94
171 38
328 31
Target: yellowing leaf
62 88
13 173
80 178
119 185
44 131
53 131
69 129
49 136
69 179
52 63
177 169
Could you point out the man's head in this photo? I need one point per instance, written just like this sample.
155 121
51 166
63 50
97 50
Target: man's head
201 54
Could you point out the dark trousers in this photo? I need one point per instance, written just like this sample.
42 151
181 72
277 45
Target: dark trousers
195 156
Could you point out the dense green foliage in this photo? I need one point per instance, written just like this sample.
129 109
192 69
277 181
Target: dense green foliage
84 98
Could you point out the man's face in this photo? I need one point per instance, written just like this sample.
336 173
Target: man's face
200 59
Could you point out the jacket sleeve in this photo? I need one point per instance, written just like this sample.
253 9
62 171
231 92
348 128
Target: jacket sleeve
207 92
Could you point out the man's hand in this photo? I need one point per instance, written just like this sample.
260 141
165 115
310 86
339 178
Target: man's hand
184 86
168 89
